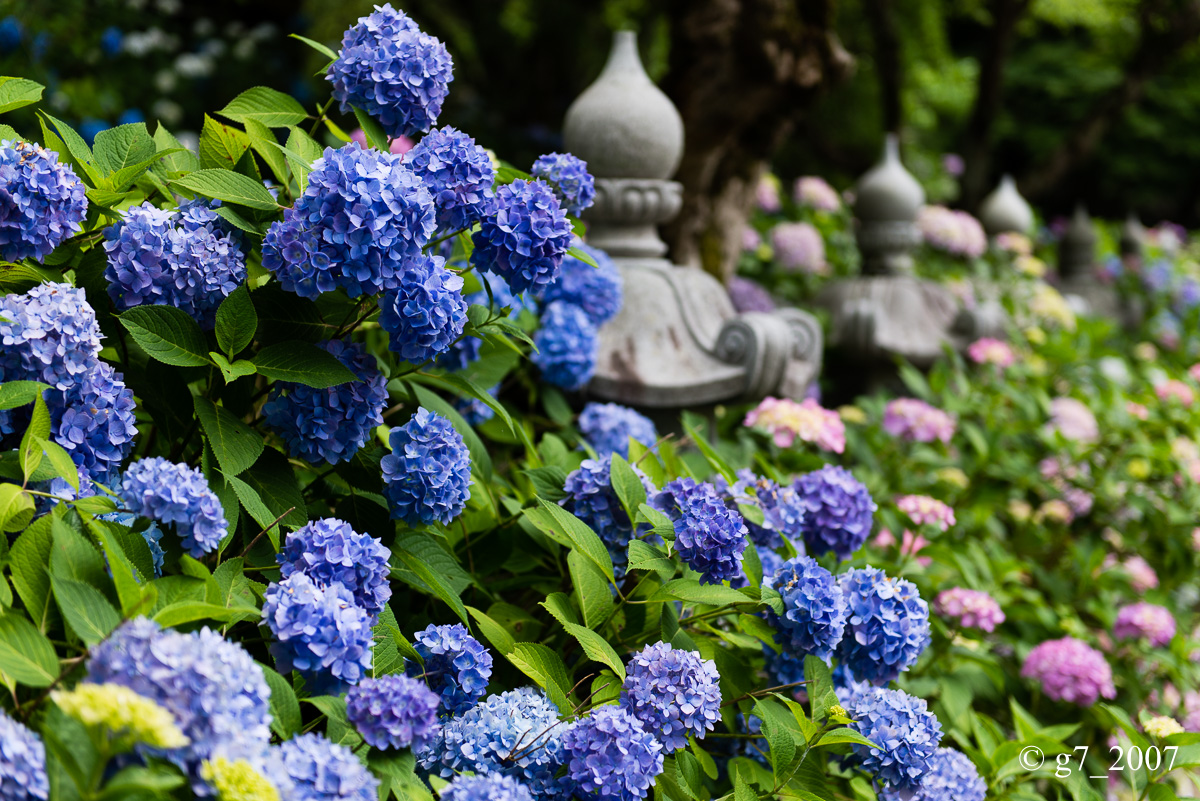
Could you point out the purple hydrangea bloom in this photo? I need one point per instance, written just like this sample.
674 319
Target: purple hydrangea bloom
888 625
363 215
186 257
569 177
525 238
320 770
709 536
516 734
466 350
42 202
906 732
608 427
22 763
917 421
427 476
611 756
951 776
330 425
782 508
393 711
673 693
566 346
329 552
215 690
749 296
1142 620
456 665
426 312
490 787
838 511
175 494
799 247
391 70
48 334
597 290
815 611
94 421
591 498
319 632
970 608
1070 670
459 174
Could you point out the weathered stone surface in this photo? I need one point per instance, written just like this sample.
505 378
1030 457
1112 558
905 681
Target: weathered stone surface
1005 211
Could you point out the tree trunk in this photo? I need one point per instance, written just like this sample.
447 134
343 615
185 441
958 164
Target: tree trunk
740 72
888 65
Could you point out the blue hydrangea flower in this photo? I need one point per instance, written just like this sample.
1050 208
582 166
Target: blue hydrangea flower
888 626
22 763
459 174
94 421
187 257
783 510
466 350
456 665
393 711
330 425
175 494
515 734
838 511
319 632
608 427
611 756
591 498
784 669
770 562
475 411
847 688
906 732
427 476
673 693
491 787
566 346
391 70
709 536
597 290
11 33
426 312
951 776
320 770
569 176
329 551
215 690
42 202
363 215
48 334
814 616
525 238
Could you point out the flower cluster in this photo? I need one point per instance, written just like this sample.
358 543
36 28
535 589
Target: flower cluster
320 770
362 217
237 780
1162 726
525 238
1142 620
455 666
1139 572
814 616
782 508
673 693
971 608
951 776
766 193
125 717
427 476
608 428
22 762
43 201
329 425
393 71
888 625
319 632
187 257
954 232
94 421
566 346
846 687
1175 390
426 312
923 510
906 732
490 787
610 755
458 173
570 179
1073 420
915 420
749 296
330 552
709 536
393 711
597 290
1070 670
591 498
992 351
799 247
178 495
49 334
786 421
838 511
815 193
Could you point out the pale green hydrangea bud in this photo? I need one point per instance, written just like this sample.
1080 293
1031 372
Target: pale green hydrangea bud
127 718
237 780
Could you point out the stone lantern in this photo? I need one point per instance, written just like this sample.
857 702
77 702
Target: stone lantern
1133 238
1005 211
1078 281
677 341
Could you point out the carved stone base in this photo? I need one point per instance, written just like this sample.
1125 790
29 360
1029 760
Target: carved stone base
880 317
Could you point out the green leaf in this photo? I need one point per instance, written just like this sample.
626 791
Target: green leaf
273 478
629 488
741 788
338 727
123 146
263 140
320 48
462 386
64 468
376 138
234 443
547 670
129 590
301 151
691 591
16 508
285 709
86 610
232 372
254 505
182 612
18 92
434 582
26 656
167 334
230 187
569 530
646 557
591 589
125 177
302 363
496 634
266 106
844 735
37 432
714 459
221 146
820 692
14 394
29 560
180 159
236 321
398 776
595 646
77 149
583 256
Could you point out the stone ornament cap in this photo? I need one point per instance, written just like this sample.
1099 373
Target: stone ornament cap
1077 250
1133 236
623 125
888 192
1005 211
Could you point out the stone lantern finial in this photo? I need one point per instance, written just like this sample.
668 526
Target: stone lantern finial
1005 211
1077 250
888 200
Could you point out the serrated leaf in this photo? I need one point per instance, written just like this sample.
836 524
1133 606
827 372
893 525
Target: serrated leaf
462 386
167 334
234 443
18 92
124 575
643 556
710 453
547 670
221 146
273 478
86 610
229 187
236 321
265 106
78 150
434 582
338 727
14 394
302 363
691 591
592 591
182 612
231 372
26 656
37 432
496 634
123 146
844 735
254 505
629 488
821 694
16 508
180 159
595 646
29 561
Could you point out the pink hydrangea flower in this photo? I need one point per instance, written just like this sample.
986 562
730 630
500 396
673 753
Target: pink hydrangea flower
992 351
751 239
815 193
1174 389
954 232
912 419
399 146
1015 243
1191 710
1074 420
1194 372
1137 410
910 545
971 608
799 247
1196 539
1070 670
1151 622
922 510
1141 575
766 194
786 421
